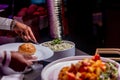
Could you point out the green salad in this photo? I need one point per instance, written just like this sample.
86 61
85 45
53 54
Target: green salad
111 73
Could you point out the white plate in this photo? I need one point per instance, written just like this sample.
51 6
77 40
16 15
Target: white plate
42 52
51 71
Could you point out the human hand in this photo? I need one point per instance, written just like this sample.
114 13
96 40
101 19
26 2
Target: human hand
24 31
19 62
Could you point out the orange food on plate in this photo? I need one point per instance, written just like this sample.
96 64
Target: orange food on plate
89 69
27 49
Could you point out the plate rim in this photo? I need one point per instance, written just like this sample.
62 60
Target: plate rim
51 53
70 59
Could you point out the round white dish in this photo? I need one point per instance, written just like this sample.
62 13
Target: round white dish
41 53
51 71
62 53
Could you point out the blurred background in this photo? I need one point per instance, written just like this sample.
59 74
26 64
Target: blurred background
90 24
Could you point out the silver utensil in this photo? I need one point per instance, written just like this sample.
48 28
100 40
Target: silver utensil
32 41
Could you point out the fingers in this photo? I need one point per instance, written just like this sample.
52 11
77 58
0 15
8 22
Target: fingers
28 35
30 57
29 63
24 32
21 61
29 60
31 35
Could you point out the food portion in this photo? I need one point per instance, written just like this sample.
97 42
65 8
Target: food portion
57 45
27 49
90 69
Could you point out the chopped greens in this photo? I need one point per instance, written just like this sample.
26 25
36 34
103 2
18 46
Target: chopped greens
110 73
56 41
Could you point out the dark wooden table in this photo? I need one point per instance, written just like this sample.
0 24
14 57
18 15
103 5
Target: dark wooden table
36 74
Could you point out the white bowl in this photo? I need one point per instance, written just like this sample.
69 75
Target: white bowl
51 71
62 53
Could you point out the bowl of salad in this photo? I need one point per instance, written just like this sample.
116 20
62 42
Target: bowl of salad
82 68
61 48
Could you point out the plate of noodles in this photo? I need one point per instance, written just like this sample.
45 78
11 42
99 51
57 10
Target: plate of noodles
41 52
82 68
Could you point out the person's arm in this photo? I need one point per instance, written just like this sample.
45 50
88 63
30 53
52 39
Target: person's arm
21 29
5 58
13 58
8 24
1 58
5 23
